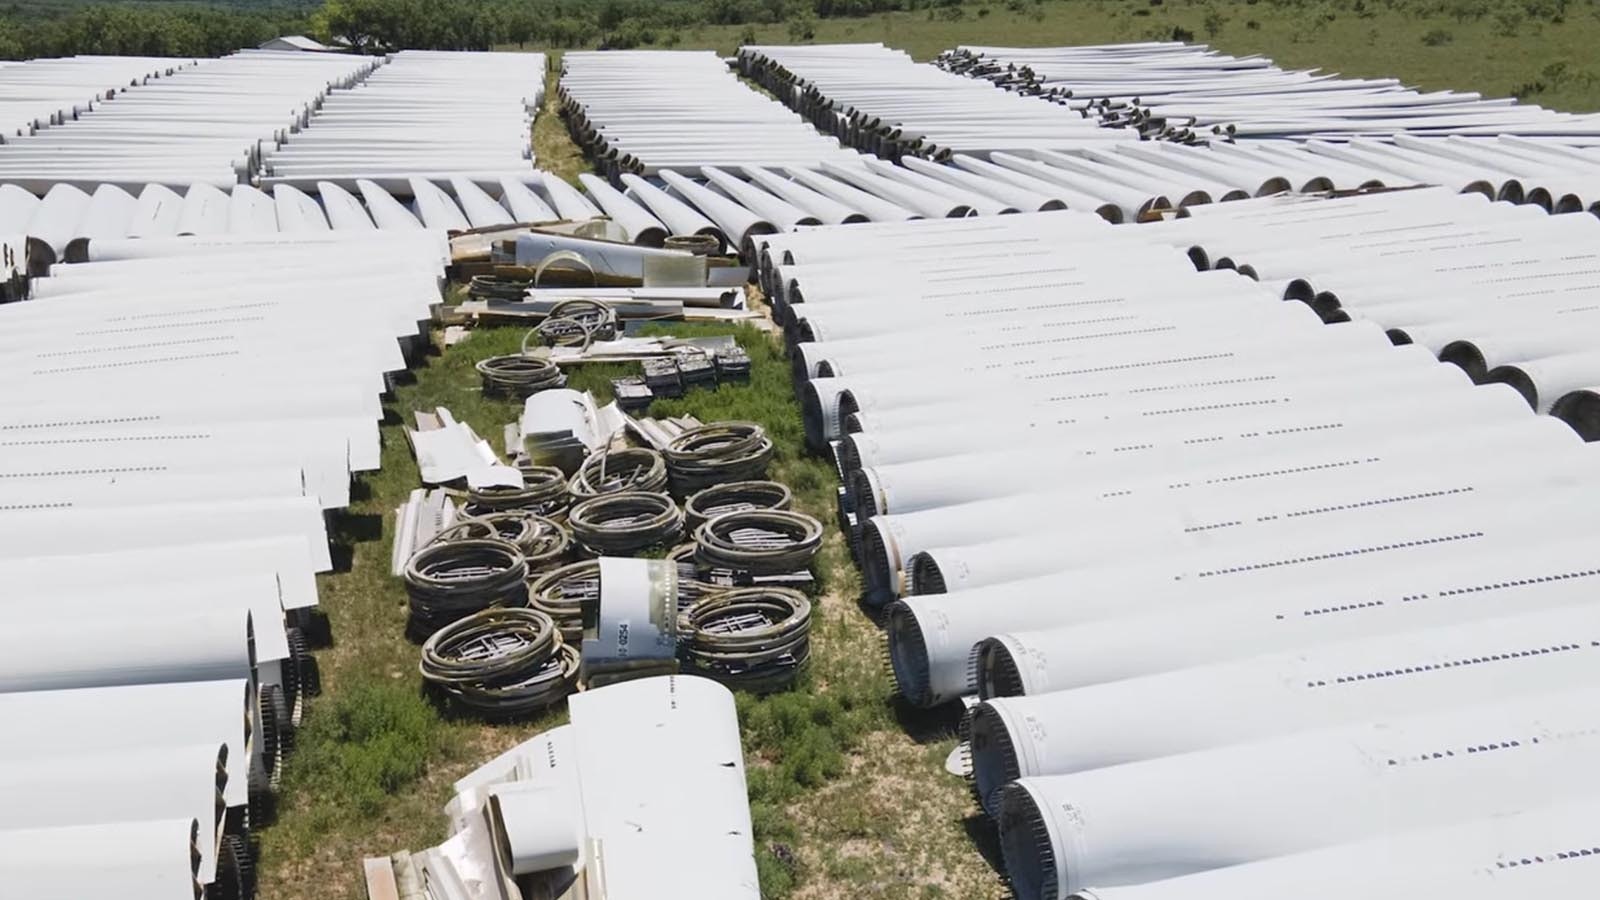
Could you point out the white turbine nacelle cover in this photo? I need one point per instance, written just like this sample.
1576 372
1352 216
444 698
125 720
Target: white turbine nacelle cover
689 801
541 827
542 762
556 799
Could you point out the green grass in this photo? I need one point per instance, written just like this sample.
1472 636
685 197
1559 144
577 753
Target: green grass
1497 47
553 149
366 743
375 758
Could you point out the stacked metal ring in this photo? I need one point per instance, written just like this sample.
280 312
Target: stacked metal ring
544 491
561 594
752 638
717 453
626 523
542 541
735 496
759 541
613 471
448 580
518 376
501 662
497 287
575 323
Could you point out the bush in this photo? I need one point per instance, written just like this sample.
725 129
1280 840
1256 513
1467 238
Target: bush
1528 89
1552 11
793 742
803 736
1508 22
802 28
1469 10
360 746
728 12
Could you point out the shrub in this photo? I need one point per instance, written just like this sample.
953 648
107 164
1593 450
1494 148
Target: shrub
802 28
1528 88
360 746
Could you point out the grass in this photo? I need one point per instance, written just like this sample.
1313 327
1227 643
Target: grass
376 759
1541 51
553 149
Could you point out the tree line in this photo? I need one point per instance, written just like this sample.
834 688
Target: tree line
376 26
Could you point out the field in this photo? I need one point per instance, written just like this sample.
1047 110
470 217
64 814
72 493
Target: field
1541 51
847 786
375 761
